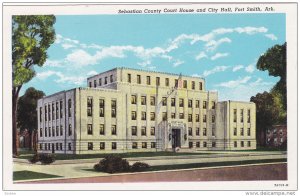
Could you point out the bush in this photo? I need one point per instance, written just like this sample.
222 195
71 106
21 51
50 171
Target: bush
139 166
112 164
43 158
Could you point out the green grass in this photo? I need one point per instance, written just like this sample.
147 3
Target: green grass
123 155
29 175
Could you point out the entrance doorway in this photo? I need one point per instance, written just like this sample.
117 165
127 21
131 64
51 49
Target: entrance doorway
176 138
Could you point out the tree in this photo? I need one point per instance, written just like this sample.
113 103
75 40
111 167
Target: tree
27 114
31 37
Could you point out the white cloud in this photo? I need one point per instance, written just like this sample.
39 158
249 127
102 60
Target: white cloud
177 63
237 67
77 80
235 83
260 82
81 58
201 55
213 44
215 70
271 36
196 75
145 63
45 74
58 38
219 55
53 63
67 46
92 73
250 68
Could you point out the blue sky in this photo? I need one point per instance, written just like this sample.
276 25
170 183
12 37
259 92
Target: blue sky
222 48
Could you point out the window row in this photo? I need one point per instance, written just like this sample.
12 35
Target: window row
54 146
241 115
101 129
102 145
54 111
241 131
102 81
204 144
242 144
101 107
55 132
177 82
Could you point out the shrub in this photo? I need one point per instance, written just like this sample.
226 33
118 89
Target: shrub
43 158
139 166
112 164
34 159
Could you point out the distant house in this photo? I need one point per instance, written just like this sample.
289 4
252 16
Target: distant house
276 136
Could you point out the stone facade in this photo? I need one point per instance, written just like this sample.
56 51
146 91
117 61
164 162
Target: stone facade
129 110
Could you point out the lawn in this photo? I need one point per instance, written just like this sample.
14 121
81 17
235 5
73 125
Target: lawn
29 175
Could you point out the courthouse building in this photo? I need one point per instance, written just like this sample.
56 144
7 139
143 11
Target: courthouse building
130 110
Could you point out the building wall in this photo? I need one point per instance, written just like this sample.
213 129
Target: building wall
276 136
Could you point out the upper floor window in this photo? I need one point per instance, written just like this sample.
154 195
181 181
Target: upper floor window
204 118
113 108
134 130
100 81
197 103
129 78
197 131
204 105
90 84
213 105
242 131
193 85
164 101
143 100
105 80
138 79
61 108
200 86
152 116
172 101
248 131
114 130
173 115
143 117
70 129
148 80
234 131
69 107
164 116
90 129
167 82
101 131
213 118
133 115
181 115
89 106
190 104
133 99
197 118
41 114
152 100
190 118
45 112
101 107
157 81
184 84
234 115
95 83
248 116
143 131
56 108
190 131
242 115
181 102
152 131
111 78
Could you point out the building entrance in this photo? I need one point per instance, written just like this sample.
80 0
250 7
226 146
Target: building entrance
176 138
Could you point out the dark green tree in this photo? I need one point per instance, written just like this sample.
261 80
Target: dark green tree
27 114
32 35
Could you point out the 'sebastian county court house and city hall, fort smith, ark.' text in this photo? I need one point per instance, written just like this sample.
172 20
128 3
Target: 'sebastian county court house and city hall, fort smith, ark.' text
130 110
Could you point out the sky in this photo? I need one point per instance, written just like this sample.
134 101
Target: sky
221 48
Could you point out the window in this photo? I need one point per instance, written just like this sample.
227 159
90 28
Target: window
46 134
56 109
133 130
69 146
152 116
143 131
60 146
41 132
101 131
181 116
49 148
49 131
184 84
204 132
102 145
193 85
133 115
204 118
113 108
197 103
57 131
249 144
176 83
248 131
197 144
49 114
167 82
190 131
100 82
190 103
235 144
90 145
133 99
242 115
111 78
213 144
148 80
56 146
45 113
234 131
90 84
95 83
242 131
173 102
70 129
197 118
204 104
181 102
213 118
248 116
164 101
134 145
90 106
200 86
53 131
138 79
197 131
114 145
105 80
173 115
213 133
152 100
152 131
190 144
41 146
144 144
61 108
53 111
129 78
164 116
61 130
113 130
190 118
242 143
143 115
234 115
157 81
205 144
153 144
213 105
90 129
101 107
69 107
143 100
